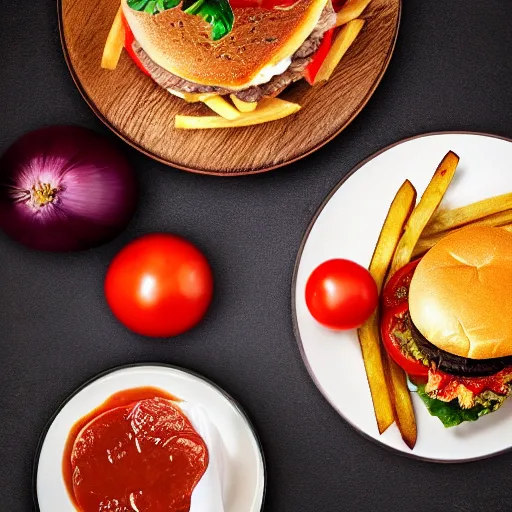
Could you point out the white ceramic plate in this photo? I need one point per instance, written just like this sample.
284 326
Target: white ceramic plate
246 490
347 226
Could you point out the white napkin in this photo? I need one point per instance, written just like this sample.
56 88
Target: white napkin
208 495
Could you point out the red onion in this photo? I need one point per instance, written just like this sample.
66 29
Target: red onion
65 188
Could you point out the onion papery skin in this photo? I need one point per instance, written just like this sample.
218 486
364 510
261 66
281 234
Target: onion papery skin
65 188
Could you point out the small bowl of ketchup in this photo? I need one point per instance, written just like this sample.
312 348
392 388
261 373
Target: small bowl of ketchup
124 441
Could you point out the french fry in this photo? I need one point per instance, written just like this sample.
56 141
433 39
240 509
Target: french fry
220 106
114 44
346 36
350 11
368 333
423 212
192 97
402 403
427 242
243 106
445 220
269 109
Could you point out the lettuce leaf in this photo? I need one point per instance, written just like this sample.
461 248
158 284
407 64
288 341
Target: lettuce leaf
217 13
152 6
451 413
409 346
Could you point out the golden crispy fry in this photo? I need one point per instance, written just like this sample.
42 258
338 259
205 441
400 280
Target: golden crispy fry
192 97
269 109
427 242
243 106
445 220
350 11
429 202
220 106
372 357
392 230
368 334
341 44
402 403
427 206
114 44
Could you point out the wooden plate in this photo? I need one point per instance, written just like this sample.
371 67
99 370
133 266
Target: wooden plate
142 113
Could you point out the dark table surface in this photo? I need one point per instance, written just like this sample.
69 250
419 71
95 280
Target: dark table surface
452 70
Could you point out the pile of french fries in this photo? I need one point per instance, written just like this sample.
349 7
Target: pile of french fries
400 233
495 211
409 231
240 113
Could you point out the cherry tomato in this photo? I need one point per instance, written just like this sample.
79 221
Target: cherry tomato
395 305
159 285
341 294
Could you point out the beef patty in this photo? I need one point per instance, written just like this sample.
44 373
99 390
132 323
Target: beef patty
300 60
456 365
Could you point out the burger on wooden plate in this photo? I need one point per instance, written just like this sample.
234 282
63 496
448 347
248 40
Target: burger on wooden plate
235 56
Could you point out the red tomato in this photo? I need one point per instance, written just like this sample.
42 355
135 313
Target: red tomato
159 285
392 319
394 307
341 294
396 290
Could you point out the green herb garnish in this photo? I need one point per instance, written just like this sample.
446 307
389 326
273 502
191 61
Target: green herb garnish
152 6
217 13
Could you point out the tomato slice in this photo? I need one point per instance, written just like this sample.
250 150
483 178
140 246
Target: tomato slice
394 307
391 321
397 289
314 66
128 41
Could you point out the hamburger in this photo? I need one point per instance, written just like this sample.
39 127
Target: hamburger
225 48
446 322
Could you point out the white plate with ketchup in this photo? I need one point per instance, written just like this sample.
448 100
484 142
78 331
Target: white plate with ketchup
157 402
347 226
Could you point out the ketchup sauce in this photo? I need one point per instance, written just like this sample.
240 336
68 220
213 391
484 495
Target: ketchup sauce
137 451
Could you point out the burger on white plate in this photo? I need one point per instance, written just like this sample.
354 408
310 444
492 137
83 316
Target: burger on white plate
446 320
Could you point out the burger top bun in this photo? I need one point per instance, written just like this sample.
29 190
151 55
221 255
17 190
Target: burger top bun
460 296
180 43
